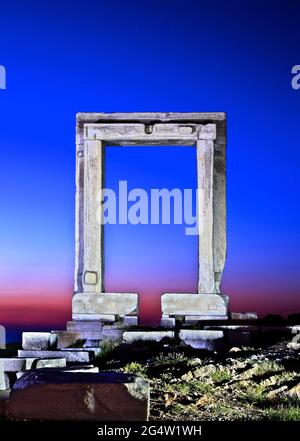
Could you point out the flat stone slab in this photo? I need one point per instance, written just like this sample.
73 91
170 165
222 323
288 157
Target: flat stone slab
106 396
201 339
133 336
15 364
89 325
72 356
93 351
105 303
112 333
244 316
130 321
67 338
32 341
168 322
84 368
193 304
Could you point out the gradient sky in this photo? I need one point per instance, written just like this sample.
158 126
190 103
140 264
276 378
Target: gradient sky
63 57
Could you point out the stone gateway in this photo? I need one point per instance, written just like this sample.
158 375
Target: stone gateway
207 133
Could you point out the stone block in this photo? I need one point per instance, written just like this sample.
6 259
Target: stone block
73 356
210 305
104 318
15 364
195 319
130 321
157 336
94 351
4 380
32 341
106 396
167 322
67 369
2 337
202 339
112 333
244 316
93 326
68 338
105 303
295 329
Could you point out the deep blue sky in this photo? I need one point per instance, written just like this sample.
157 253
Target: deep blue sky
63 57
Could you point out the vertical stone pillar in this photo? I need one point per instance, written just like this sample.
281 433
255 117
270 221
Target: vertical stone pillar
205 164
93 261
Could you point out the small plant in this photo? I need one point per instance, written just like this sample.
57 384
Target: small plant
255 394
267 367
171 359
181 388
221 375
177 408
106 348
281 413
136 368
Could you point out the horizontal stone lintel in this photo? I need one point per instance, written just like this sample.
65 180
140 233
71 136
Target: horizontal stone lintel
185 304
152 134
122 304
146 117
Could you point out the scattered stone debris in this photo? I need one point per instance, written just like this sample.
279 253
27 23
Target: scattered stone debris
249 384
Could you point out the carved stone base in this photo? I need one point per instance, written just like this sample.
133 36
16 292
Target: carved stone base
210 306
95 306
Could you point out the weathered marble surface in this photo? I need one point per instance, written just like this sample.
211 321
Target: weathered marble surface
68 338
133 336
86 325
87 396
15 364
81 356
207 131
105 303
209 305
202 339
32 341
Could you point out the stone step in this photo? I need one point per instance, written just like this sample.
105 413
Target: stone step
202 339
15 364
106 396
88 325
32 341
94 351
84 369
112 333
157 336
72 356
243 316
67 338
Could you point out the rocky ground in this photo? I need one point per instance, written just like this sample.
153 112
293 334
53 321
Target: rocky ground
246 383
